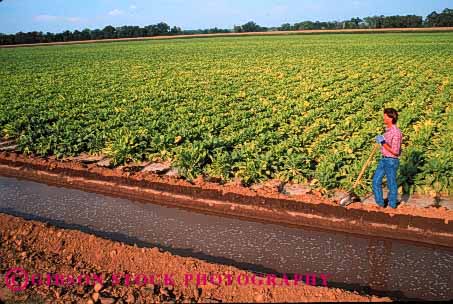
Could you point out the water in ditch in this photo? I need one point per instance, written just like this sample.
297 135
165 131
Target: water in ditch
398 269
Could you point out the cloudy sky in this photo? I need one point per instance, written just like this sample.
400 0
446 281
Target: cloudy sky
60 15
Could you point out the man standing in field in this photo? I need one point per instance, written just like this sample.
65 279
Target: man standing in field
388 165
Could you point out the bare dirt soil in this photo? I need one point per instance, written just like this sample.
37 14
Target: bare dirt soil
42 249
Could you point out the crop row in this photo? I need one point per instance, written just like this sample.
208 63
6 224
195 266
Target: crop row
301 108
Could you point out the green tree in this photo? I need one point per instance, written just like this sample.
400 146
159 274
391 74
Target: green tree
77 35
109 32
352 24
285 27
370 22
86 33
438 20
96 34
249 27
304 25
175 30
163 28
67 36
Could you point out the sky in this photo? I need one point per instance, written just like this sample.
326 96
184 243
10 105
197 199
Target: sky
60 15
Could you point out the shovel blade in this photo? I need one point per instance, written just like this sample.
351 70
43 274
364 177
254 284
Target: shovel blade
347 200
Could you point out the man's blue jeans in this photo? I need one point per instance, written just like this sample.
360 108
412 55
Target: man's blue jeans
389 168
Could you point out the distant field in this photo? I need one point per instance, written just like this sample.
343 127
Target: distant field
270 33
301 108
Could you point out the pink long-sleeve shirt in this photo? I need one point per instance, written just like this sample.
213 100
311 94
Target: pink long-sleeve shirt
393 137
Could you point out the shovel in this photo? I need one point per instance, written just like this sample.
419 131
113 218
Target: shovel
351 196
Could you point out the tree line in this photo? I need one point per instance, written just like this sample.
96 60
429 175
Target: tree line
108 32
443 19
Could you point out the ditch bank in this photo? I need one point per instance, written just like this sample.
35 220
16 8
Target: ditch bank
426 225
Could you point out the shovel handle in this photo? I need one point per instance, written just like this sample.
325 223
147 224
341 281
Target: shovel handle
376 146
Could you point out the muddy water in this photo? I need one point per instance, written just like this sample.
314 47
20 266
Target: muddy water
378 266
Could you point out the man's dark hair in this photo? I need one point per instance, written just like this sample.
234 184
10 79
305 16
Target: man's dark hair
392 113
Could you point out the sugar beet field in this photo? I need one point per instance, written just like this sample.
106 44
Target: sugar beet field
296 108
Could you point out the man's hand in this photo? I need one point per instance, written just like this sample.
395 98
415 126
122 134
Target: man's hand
388 148
380 139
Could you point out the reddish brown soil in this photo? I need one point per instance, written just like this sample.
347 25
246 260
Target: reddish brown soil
199 185
300 32
40 248
429 225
